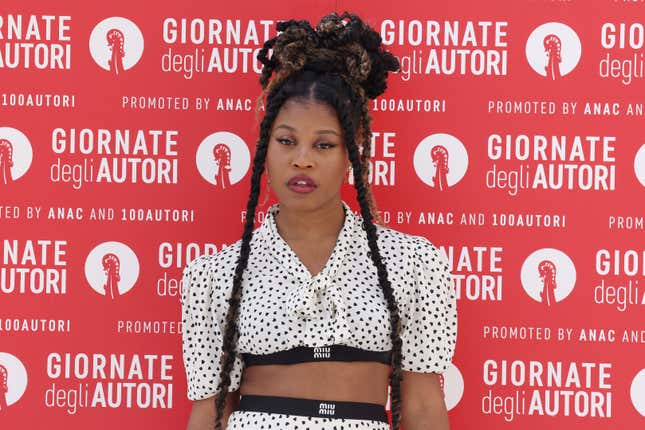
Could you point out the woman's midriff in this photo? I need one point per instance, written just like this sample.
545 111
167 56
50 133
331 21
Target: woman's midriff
340 381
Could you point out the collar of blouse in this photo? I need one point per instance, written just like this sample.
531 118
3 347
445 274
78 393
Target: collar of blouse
314 298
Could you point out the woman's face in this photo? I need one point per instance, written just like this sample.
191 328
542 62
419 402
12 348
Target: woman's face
306 158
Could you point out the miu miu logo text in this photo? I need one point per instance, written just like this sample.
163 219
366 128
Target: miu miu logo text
322 352
327 409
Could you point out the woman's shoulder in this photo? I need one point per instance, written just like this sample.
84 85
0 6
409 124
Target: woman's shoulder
219 267
217 260
407 244
222 260
205 273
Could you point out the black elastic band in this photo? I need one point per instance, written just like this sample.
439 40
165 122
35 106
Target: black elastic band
303 354
313 408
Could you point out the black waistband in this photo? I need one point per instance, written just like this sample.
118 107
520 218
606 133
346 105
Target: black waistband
302 354
313 408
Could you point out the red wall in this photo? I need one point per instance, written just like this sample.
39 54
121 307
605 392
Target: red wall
545 180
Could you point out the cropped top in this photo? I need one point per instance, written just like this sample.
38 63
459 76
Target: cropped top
288 315
303 354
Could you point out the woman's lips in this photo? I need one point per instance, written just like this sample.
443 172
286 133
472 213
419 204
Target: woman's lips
303 189
301 184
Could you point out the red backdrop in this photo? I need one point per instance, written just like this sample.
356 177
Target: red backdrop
512 138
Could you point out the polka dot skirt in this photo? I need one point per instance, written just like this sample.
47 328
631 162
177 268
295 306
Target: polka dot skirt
248 420
284 306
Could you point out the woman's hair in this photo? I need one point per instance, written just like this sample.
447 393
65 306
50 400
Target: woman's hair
339 63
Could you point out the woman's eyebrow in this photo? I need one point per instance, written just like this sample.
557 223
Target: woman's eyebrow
325 131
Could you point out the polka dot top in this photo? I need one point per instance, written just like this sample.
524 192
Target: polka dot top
283 306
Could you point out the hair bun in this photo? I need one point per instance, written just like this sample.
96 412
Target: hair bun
339 43
361 46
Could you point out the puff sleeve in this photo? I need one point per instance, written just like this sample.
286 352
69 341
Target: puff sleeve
429 330
203 314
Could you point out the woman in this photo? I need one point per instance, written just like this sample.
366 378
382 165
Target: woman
312 315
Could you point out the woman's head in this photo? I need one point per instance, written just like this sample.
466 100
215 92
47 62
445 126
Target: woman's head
307 159
340 64
307 139
316 90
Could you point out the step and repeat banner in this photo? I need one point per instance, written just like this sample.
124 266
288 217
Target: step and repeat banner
513 137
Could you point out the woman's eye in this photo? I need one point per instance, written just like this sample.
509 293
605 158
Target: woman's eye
325 145
285 141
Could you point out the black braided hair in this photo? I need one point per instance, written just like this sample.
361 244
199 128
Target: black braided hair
339 63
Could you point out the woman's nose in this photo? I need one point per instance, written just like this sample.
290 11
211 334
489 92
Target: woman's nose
302 158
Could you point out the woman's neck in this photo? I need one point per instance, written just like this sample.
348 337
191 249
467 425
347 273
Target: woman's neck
323 222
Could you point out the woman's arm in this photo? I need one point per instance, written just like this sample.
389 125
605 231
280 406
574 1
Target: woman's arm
422 403
202 414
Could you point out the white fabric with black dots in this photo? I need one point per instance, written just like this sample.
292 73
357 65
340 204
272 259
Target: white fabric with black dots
248 420
283 306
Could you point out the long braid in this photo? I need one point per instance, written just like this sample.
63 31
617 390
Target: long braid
361 187
227 359
366 137
386 287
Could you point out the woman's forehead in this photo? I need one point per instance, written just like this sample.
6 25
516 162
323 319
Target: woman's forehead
305 114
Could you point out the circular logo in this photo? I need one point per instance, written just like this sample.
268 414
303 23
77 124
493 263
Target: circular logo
440 160
553 50
639 165
637 392
13 380
453 386
116 44
16 154
223 159
112 269
548 276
